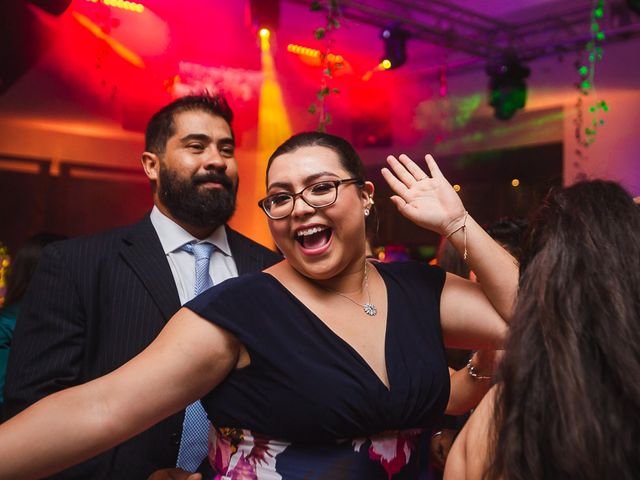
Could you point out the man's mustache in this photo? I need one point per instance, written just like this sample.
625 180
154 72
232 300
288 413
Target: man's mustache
212 177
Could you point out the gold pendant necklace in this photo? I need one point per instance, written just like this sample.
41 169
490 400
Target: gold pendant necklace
369 308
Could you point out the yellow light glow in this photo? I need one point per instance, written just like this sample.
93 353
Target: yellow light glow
273 129
264 33
457 187
385 64
312 52
122 4
515 182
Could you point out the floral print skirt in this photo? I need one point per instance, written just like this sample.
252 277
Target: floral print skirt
237 454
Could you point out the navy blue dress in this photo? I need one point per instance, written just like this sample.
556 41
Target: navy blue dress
309 406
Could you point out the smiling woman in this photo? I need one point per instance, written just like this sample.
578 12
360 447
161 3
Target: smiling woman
322 366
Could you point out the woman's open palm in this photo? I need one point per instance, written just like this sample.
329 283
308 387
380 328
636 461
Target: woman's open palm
428 201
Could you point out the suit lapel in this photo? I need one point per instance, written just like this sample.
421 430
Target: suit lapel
243 253
142 250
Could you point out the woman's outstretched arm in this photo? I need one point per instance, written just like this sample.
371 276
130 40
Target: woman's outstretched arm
187 360
473 315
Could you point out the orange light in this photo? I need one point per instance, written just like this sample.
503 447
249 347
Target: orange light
515 182
385 64
264 33
457 187
130 56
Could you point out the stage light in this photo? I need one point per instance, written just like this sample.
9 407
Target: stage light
515 182
385 64
264 33
264 14
314 55
507 88
457 187
122 4
394 40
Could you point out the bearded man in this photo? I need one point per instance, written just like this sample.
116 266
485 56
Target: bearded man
95 302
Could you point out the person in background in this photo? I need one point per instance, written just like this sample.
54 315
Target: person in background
98 301
508 232
567 400
20 272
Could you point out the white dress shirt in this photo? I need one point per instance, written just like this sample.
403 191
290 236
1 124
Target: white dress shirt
182 263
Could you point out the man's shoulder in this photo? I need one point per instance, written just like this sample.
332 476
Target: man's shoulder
96 244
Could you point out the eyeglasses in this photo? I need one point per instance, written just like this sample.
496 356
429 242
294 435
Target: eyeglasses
317 195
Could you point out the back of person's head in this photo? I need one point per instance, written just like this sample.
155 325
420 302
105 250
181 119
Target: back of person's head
509 233
348 156
569 402
162 124
24 265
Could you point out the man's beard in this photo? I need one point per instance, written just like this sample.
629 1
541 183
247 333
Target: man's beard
196 206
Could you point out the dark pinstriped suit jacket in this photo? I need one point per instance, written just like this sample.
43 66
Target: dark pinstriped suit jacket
93 304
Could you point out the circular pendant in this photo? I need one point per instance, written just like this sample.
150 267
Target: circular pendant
370 309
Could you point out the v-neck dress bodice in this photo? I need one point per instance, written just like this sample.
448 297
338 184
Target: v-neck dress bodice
308 405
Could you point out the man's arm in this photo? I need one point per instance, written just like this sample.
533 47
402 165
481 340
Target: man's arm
48 341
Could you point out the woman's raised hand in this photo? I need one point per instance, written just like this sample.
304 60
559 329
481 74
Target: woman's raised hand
428 201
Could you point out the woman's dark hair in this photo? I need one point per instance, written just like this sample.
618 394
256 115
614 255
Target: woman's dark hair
568 405
349 158
24 265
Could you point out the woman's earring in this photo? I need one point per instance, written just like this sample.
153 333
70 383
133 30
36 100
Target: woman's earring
366 212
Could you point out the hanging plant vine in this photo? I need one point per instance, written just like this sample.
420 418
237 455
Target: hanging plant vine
328 61
585 132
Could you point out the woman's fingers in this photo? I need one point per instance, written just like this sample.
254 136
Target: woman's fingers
416 172
401 171
396 185
433 166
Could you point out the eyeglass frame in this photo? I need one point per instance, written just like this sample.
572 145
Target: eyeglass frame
294 196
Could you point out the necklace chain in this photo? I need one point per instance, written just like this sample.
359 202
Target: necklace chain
369 308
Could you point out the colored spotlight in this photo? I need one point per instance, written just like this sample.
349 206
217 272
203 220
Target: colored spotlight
515 182
394 40
385 64
264 33
274 127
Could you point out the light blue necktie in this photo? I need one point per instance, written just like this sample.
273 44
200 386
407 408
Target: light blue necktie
194 443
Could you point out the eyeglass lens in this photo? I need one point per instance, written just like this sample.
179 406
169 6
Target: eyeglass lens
317 195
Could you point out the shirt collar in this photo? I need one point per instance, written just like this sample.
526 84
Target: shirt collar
173 236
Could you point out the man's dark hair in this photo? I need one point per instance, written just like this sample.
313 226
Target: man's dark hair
162 125
509 233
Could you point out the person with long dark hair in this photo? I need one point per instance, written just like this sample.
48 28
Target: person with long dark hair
567 404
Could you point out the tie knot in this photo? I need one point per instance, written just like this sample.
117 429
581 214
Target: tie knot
200 250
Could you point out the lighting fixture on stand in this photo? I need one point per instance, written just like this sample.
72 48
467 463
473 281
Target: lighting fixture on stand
507 87
394 40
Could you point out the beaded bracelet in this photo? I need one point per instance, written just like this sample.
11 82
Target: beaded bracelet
474 373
